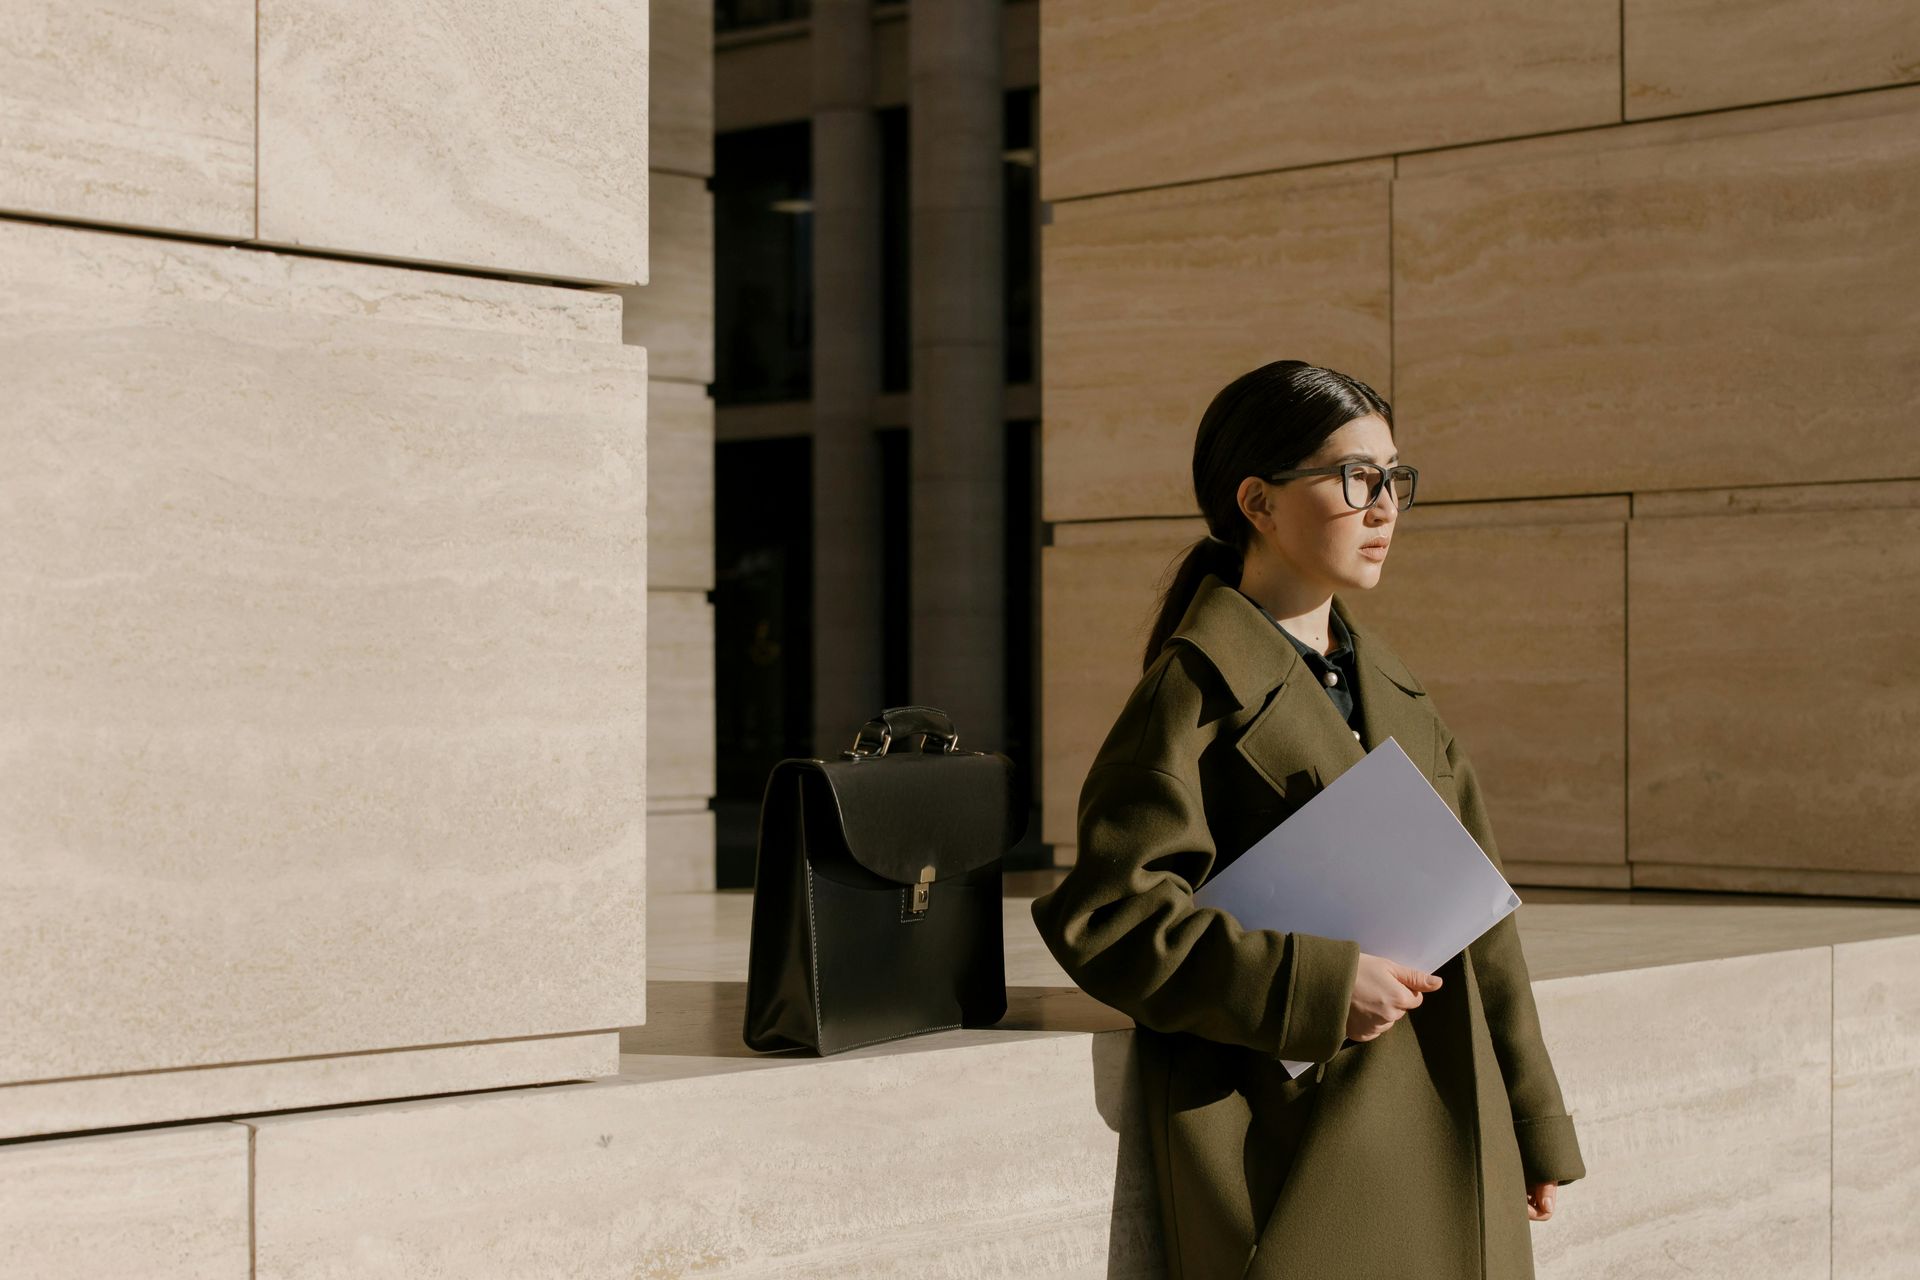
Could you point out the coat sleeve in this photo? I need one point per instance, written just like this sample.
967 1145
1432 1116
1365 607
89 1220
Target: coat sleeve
1124 926
1549 1148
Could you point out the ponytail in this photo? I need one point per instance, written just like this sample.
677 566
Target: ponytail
1207 555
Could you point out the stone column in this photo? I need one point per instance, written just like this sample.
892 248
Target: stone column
959 384
846 375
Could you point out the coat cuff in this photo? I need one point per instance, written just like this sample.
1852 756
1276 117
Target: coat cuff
1319 992
1549 1151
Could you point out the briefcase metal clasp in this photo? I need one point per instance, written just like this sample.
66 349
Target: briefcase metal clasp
922 890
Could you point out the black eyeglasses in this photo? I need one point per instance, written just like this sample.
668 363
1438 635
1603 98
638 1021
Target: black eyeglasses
1361 481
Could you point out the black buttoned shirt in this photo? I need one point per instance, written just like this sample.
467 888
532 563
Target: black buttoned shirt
1333 670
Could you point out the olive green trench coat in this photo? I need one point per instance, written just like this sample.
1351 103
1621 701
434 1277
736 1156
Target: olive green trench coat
1404 1156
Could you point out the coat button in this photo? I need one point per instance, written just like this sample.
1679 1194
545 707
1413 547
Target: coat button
1356 733
1332 677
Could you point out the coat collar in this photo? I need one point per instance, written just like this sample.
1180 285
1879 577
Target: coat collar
1297 737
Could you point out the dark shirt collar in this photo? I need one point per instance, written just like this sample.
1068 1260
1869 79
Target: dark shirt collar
1337 630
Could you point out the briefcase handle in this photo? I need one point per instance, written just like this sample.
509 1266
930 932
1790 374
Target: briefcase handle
877 734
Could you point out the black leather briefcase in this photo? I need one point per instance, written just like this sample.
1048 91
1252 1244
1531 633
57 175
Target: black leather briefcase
877 889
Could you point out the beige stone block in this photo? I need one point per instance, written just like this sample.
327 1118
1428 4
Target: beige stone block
1775 499
1876 1109
681 851
679 74
128 112
1749 746
681 742
188 1093
1570 934
1700 1093
1715 301
764 78
672 314
1568 875
1156 300
1143 94
1518 632
680 497
1024 1156
1100 586
163 1204
488 135
1702 55
324 602
1793 880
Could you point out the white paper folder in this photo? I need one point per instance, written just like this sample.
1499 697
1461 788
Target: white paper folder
1376 856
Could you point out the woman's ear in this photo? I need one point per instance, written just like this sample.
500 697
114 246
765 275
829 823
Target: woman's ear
1256 503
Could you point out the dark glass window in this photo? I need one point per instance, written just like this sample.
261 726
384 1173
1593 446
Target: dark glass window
1022 556
763 264
762 632
896 555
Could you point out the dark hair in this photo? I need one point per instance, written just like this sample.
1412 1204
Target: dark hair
1266 420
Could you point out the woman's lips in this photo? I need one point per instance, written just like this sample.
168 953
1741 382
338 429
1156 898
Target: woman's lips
1375 552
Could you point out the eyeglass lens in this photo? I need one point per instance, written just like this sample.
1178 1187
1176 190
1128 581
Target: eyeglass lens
1363 485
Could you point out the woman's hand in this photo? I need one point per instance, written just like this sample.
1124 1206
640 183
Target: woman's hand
1540 1200
1382 993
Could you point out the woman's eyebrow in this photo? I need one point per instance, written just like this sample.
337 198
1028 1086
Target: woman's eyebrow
1363 457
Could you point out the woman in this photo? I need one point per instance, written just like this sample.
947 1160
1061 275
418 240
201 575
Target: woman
1433 1117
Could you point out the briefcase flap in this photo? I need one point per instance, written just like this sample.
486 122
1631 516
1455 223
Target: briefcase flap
894 814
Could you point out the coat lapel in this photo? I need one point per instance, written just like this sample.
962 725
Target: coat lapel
1296 740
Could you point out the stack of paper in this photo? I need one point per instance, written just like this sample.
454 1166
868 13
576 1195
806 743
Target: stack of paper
1376 856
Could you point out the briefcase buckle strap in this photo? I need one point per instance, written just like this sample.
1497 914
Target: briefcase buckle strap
922 890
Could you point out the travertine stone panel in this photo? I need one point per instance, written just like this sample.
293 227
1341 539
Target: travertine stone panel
1701 1093
681 851
324 600
487 134
129 112
1876 1109
149 1097
1100 586
1568 875
680 419
1141 94
1659 306
764 80
1861 495
1698 55
1793 880
672 316
1017 1157
1778 499
1519 633
679 74
164 1204
1760 733
135 112
1156 300
681 740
